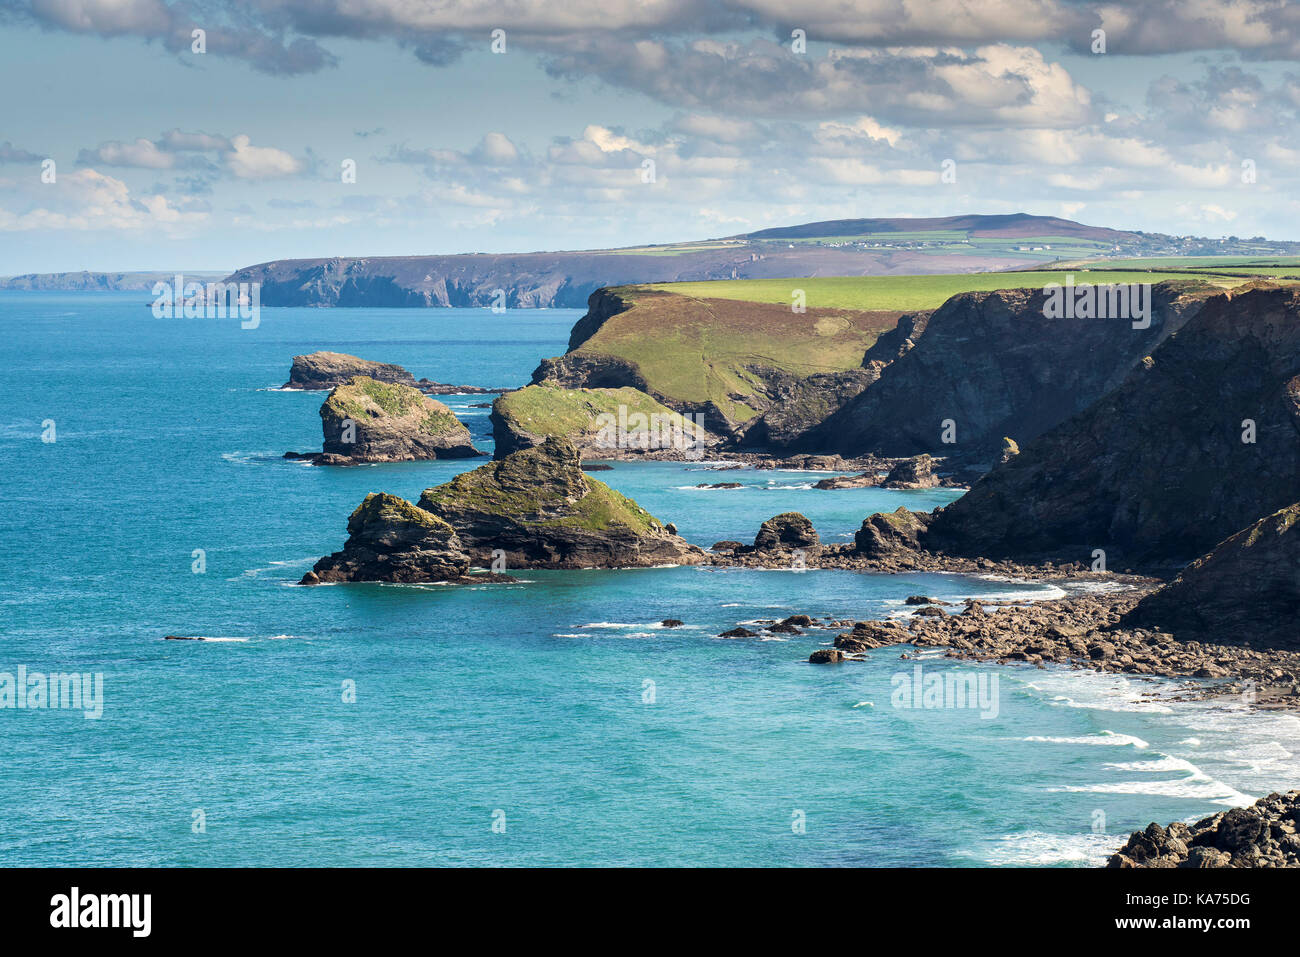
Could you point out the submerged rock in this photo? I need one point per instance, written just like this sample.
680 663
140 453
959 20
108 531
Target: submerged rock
536 508
365 420
391 540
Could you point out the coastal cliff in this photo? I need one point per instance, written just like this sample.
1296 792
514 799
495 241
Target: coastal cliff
1200 441
993 365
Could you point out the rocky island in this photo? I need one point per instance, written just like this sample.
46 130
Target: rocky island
328 370
536 508
366 420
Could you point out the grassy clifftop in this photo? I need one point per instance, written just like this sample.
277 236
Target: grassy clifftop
691 351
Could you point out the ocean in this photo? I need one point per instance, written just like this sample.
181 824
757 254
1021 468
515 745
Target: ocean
548 722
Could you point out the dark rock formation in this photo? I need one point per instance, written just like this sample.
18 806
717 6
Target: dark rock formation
1246 591
913 473
863 480
786 531
365 420
994 365
891 534
826 656
672 623
1201 440
738 632
800 404
326 370
1262 835
390 540
537 509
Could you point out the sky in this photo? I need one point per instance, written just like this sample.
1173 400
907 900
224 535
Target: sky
596 123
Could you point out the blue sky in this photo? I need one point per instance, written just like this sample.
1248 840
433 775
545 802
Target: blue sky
169 159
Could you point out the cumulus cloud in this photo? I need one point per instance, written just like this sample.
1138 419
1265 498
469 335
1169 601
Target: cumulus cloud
247 161
89 200
992 85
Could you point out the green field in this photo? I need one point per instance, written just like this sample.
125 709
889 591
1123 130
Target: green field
902 293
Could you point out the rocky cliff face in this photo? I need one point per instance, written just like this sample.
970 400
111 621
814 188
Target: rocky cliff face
326 370
390 540
1246 591
365 420
992 365
1201 440
539 509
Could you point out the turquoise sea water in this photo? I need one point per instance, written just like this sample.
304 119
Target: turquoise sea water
555 706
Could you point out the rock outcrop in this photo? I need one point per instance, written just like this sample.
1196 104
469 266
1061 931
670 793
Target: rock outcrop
536 508
891 535
1200 441
390 540
1246 591
787 531
1262 835
992 364
913 473
327 370
365 420
600 423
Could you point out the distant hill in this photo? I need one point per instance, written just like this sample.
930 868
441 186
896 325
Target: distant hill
98 281
1010 226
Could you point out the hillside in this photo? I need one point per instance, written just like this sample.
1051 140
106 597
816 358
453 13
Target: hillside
737 353
851 247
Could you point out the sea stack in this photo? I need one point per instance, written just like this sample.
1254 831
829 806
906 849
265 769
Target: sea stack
536 508
365 420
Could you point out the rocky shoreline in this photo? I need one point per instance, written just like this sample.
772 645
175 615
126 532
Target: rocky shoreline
1262 835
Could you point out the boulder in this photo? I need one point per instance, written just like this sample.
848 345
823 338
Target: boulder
786 531
891 534
826 656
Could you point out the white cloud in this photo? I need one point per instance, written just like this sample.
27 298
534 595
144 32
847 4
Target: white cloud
259 162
